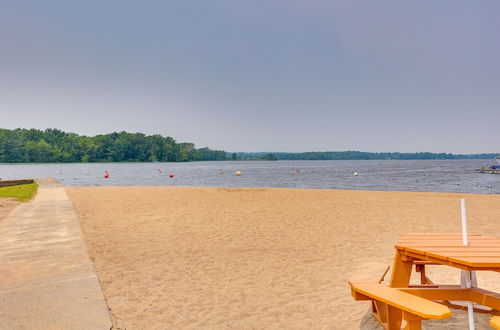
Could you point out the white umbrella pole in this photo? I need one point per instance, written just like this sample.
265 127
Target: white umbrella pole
465 238
467 273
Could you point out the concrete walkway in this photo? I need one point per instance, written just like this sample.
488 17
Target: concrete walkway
47 280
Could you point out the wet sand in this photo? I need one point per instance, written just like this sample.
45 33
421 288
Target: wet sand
182 257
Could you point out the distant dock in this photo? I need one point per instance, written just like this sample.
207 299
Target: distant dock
487 170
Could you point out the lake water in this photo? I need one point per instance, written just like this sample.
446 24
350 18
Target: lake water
402 175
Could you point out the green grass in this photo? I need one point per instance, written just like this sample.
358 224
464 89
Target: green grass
22 193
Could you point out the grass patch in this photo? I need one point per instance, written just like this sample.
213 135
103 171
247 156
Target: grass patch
22 193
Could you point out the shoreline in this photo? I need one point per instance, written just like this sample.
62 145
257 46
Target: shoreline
289 188
284 188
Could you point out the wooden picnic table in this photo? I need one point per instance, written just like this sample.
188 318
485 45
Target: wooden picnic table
390 304
482 253
420 249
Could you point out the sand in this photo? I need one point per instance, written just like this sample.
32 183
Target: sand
7 205
182 257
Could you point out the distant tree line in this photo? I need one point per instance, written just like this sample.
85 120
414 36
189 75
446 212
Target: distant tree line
253 156
356 155
269 156
53 145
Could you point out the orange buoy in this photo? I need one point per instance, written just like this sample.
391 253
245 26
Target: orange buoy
170 175
106 174
237 173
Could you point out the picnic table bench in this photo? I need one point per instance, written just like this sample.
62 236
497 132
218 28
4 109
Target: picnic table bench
391 306
495 322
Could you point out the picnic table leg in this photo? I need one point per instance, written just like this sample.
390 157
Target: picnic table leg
413 325
379 311
394 318
413 322
401 272
423 277
421 269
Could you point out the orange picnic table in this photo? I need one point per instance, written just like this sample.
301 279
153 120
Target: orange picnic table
415 302
482 253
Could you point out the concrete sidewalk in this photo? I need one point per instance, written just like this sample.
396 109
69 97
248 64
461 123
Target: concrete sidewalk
47 280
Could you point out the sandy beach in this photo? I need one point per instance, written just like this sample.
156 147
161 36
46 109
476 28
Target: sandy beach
182 257
7 205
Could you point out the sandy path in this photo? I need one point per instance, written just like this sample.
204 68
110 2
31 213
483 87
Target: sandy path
178 257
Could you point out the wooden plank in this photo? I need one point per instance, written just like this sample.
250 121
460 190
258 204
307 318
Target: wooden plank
404 301
452 243
484 297
427 238
460 254
461 264
448 247
422 256
443 234
477 261
424 245
466 262
440 261
438 234
456 236
423 262
463 248
456 239
448 241
439 293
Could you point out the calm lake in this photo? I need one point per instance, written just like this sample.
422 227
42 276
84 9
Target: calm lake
402 175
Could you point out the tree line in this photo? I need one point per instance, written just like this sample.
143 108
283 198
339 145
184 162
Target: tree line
53 145
356 155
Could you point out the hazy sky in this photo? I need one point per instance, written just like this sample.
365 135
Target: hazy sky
295 75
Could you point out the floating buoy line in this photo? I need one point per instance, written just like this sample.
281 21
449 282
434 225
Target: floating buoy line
297 171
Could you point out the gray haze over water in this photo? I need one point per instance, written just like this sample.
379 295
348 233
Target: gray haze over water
399 175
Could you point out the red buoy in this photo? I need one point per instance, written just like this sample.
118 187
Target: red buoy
171 175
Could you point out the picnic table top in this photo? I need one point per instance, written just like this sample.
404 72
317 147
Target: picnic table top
482 253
